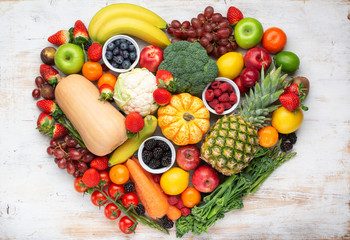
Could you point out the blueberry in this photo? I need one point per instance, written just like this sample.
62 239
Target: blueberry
116 51
117 42
122 40
110 46
115 64
126 64
119 59
125 54
123 46
132 56
131 48
109 55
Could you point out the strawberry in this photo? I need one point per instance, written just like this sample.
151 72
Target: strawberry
59 38
99 163
224 97
94 52
91 178
44 123
290 101
49 74
293 88
219 108
134 122
161 96
163 78
209 95
80 31
106 92
58 131
49 107
234 15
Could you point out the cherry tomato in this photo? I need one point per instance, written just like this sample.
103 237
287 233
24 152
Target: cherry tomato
92 70
104 176
119 174
112 212
98 199
107 78
274 40
78 182
125 224
113 189
130 199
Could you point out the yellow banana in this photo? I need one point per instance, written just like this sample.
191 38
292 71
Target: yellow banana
134 27
118 10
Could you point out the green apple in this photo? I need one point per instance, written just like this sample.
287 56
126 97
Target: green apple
69 58
248 32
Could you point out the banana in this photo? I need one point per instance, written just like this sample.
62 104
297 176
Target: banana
121 10
135 27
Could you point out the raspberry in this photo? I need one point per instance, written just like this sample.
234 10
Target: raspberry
219 108
213 103
217 92
209 95
156 178
173 200
185 211
227 105
179 204
224 87
215 85
233 98
224 97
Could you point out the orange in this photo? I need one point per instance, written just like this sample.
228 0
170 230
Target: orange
119 174
191 197
274 40
92 70
268 136
107 78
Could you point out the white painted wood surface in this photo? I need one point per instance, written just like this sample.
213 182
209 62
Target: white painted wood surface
306 198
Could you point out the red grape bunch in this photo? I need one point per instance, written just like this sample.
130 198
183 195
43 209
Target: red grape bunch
70 156
211 30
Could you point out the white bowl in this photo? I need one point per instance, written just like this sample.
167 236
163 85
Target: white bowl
104 49
159 170
236 90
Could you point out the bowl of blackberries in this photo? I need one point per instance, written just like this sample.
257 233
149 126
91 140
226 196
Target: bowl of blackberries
120 53
156 154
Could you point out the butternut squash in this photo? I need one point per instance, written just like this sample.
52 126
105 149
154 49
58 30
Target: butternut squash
99 123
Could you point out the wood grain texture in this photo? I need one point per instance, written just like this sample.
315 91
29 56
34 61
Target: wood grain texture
306 198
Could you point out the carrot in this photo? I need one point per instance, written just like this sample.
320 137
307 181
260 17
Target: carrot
154 203
173 212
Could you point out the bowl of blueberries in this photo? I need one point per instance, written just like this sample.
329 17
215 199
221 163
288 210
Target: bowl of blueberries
120 53
156 154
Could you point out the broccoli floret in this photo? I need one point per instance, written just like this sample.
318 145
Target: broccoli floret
190 66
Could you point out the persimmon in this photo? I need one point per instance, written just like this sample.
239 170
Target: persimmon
191 197
274 40
92 70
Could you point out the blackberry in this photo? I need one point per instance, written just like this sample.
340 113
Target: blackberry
140 209
154 163
165 161
150 144
87 45
282 136
167 153
292 137
166 222
163 145
146 156
129 187
157 153
286 146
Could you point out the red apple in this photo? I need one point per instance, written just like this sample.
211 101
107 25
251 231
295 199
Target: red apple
150 58
242 89
249 76
258 57
188 157
205 179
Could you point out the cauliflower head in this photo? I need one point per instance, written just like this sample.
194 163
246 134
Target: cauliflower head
133 92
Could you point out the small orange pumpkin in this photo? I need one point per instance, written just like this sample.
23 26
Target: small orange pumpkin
184 120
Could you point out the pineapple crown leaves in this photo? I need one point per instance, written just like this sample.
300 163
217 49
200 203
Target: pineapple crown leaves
259 103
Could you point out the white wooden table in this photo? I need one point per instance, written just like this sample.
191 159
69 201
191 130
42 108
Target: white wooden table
306 198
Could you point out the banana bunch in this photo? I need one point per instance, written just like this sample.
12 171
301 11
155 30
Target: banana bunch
129 19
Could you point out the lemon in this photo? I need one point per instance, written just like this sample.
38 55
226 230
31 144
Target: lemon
230 65
174 181
286 121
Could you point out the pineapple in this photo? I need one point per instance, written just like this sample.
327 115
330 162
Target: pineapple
233 140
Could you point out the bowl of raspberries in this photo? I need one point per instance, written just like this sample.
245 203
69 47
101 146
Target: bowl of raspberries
120 53
156 154
221 96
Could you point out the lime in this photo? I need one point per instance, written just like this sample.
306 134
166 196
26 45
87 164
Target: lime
289 61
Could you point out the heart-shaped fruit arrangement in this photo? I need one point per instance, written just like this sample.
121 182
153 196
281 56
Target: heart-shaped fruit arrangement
101 95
